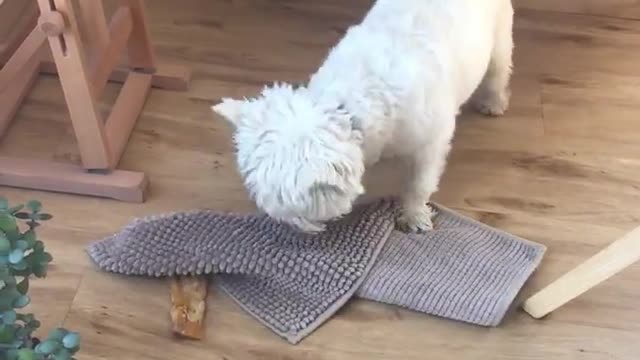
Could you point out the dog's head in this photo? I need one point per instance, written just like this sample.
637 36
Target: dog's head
301 162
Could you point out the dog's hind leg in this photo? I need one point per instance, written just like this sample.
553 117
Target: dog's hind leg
492 96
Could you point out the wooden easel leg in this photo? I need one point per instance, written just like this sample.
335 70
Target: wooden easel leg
93 26
140 52
27 12
119 30
11 98
87 123
25 52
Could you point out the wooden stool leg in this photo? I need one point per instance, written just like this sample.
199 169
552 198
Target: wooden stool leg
87 123
140 52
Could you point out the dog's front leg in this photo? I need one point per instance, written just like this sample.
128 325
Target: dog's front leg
426 169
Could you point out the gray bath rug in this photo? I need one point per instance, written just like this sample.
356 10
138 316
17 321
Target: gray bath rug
292 282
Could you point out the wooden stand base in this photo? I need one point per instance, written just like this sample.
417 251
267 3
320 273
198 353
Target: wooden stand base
120 185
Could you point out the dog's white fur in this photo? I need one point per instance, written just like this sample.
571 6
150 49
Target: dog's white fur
392 87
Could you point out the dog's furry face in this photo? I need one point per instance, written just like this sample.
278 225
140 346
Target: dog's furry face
301 162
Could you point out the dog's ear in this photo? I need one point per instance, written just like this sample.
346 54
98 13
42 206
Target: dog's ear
230 109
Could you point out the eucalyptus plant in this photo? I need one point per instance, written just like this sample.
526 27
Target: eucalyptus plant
23 256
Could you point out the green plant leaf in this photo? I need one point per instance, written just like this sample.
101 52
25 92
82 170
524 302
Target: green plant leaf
21 266
47 347
34 206
26 317
23 286
62 354
12 354
39 270
6 304
5 244
9 294
24 273
21 301
9 317
30 237
22 245
71 340
8 278
57 334
15 209
7 335
45 217
23 332
38 246
22 215
16 256
5 275
27 354
4 203
8 225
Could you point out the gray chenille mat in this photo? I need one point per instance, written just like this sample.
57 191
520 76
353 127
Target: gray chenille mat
292 282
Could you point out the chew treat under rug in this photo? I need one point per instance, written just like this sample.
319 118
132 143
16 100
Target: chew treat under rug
293 282
188 305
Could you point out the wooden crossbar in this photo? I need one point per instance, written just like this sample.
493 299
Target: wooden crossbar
26 51
167 76
15 92
125 112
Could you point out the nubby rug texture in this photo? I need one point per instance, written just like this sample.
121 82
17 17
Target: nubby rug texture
293 282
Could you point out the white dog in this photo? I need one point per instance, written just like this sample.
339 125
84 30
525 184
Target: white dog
392 87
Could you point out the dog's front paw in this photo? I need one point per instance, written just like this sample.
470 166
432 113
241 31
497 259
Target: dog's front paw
417 220
492 104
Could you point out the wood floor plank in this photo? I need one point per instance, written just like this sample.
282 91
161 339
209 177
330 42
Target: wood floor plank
628 9
562 167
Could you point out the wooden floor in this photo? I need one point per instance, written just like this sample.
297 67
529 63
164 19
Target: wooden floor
562 168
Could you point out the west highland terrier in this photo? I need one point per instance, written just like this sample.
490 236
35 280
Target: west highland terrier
392 87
